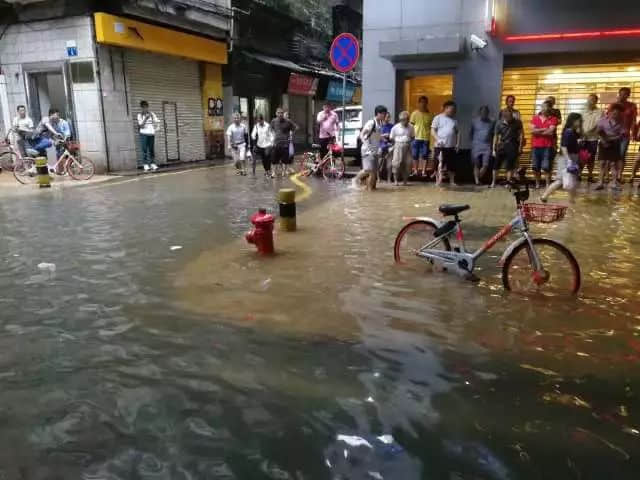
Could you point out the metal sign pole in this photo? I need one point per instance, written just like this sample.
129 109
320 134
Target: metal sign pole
344 110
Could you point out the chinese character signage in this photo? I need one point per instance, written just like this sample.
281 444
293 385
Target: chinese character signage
302 85
334 91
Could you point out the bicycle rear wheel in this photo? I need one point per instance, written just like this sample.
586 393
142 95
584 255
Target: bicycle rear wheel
80 168
561 275
8 161
24 171
413 237
333 168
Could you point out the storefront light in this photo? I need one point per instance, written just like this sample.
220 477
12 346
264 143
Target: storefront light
586 35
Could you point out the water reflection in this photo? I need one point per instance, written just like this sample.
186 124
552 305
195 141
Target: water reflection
138 361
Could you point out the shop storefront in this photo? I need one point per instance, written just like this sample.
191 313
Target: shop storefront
570 85
178 74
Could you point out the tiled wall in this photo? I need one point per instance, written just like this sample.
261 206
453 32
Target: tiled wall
43 44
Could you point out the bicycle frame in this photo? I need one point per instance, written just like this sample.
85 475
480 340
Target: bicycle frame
462 261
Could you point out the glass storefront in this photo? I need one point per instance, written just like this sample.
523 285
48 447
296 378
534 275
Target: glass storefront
438 88
571 87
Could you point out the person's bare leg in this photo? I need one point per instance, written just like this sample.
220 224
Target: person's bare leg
372 180
483 172
476 174
494 178
416 166
636 166
390 169
537 177
550 189
547 179
509 175
452 179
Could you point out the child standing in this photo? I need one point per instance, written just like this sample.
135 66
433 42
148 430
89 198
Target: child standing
567 161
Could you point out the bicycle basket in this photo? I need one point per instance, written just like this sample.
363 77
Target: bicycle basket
73 146
543 212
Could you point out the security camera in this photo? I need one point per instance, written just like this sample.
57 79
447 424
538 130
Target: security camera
477 43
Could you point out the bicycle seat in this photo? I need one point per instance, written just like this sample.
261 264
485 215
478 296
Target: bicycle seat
315 146
32 153
452 209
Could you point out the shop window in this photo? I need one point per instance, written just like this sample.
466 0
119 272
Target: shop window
437 88
82 72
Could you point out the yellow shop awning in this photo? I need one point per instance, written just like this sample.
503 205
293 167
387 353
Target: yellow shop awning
123 32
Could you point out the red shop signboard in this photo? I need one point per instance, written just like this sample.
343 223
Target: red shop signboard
302 85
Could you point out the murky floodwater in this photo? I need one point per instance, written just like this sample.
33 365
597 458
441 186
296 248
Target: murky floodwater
136 360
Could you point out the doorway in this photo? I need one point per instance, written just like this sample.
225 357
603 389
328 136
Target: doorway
49 89
437 88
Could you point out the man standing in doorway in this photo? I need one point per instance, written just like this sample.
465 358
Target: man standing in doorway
482 131
444 129
147 124
590 118
23 126
554 111
543 135
628 119
327 121
237 144
421 119
510 106
283 129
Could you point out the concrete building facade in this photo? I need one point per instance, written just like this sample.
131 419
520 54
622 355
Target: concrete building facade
534 48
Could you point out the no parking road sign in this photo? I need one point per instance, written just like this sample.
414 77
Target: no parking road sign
345 52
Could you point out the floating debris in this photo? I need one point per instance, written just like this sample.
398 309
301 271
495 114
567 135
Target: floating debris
543 371
565 399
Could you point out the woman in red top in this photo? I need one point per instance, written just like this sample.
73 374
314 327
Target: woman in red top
543 137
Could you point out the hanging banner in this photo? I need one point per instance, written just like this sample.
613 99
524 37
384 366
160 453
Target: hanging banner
334 91
302 85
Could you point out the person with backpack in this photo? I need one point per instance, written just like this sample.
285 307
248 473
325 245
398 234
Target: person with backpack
371 136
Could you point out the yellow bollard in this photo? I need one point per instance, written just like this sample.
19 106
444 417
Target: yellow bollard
287 201
44 180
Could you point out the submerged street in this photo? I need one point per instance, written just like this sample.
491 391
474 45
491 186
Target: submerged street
162 347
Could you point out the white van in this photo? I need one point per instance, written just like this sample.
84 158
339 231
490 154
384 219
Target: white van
352 127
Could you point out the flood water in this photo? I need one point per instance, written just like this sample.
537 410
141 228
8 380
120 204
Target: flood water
136 360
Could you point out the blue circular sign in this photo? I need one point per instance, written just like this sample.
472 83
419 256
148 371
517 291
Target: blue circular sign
344 52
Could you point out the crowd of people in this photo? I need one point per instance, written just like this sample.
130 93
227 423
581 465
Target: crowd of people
594 135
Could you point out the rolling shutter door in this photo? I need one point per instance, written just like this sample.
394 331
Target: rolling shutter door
570 85
171 85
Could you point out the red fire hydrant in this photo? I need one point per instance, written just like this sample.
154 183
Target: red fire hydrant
262 234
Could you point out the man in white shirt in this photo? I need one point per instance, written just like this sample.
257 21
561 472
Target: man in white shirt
147 124
590 118
370 136
402 134
262 137
23 127
237 144
444 129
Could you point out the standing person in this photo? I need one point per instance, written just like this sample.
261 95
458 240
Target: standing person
23 126
237 144
402 134
444 129
482 132
283 129
590 119
370 137
568 161
421 119
510 102
328 122
543 134
508 145
292 148
262 137
611 131
385 148
147 124
636 165
628 119
554 111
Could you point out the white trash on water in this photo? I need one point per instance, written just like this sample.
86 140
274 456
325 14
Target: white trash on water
386 439
47 267
175 247
354 441
266 284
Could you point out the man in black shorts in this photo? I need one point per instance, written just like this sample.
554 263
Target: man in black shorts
508 145
282 131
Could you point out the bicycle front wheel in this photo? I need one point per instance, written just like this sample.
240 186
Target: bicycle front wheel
25 172
80 168
411 239
333 169
560 273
